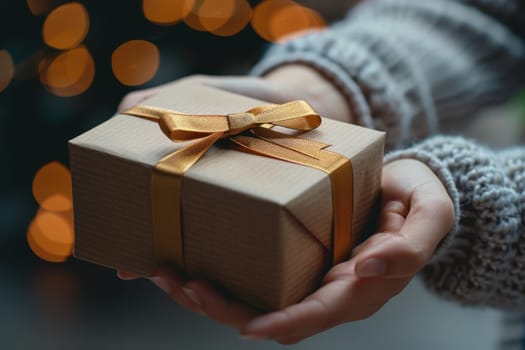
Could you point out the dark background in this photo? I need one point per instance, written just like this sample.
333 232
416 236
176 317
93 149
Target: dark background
46 305
76 305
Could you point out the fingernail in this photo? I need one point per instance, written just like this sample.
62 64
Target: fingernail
126 275
372 267
192 296
162 284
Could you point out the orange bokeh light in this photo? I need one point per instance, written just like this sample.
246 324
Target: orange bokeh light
213 15
66 26
223 19
165 12
40 7
192 17
135 62
294 20
68 73
276 20
51 236
7 69
242 14
52 187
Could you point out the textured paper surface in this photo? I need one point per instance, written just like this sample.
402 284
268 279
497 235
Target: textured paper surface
259 227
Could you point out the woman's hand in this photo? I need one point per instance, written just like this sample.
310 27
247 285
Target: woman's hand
416 214
284 84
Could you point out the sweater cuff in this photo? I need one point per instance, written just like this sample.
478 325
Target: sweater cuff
446 178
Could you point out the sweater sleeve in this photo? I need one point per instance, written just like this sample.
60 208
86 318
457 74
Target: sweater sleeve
482 261
416 67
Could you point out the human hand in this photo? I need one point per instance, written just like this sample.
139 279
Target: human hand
416 213
284 84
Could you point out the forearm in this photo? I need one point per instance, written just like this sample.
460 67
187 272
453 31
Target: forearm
482 260
411 67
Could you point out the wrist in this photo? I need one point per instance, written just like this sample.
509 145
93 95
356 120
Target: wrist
315 88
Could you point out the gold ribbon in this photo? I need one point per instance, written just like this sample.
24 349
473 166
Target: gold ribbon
261 140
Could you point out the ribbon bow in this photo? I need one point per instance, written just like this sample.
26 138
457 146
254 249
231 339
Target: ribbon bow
206 130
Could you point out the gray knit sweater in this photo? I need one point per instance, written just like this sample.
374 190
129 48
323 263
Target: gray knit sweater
415 68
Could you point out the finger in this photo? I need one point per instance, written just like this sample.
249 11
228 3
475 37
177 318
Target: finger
313 315
219 307
202 298
172 283
126 276
392 216
430 217
391 220
344 298
419 195
404 254
321 310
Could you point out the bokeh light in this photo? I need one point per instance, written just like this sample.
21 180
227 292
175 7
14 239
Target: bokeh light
165 12
66 26
192 17
242 14
135 62
7 69
51 236
52 187
277 20
294 20
41 7
224 18
273 20
214 15
69 73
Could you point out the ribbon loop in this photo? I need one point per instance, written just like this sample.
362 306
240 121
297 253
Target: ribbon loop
297 115
184 127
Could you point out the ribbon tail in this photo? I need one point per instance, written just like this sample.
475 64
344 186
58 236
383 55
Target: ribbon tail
183 159
307 147
146 112
166 183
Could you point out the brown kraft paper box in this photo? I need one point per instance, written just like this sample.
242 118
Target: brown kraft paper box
259 227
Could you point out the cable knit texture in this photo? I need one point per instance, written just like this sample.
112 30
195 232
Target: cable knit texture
413 68
409 67
482 261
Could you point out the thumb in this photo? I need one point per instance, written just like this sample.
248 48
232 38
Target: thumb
392 257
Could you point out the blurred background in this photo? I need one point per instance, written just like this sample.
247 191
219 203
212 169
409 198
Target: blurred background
64 67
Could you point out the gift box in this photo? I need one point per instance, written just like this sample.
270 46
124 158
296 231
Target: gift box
249 214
